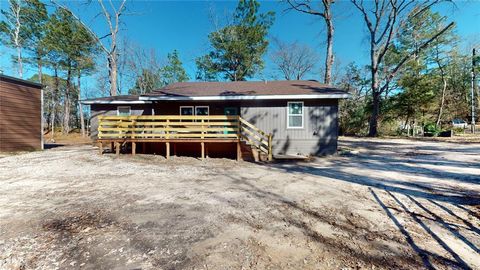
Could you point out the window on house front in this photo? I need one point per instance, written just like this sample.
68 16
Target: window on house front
295 115
123 111
186 110
201 110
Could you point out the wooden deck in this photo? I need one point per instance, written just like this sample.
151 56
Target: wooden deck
120 130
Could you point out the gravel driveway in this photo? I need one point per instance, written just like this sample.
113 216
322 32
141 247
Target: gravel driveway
379 204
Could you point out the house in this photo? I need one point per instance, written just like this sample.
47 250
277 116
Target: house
20 115
288 117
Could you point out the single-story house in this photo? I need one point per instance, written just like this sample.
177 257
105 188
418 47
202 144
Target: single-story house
300 116
20 115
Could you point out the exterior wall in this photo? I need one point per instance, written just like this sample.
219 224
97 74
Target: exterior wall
20 116
107 109
318 135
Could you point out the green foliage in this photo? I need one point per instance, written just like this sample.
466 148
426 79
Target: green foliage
173 72
432 129
238 48
146 83
205 69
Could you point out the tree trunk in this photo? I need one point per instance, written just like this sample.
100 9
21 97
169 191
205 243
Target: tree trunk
373 123
80 108
112 69
54 103
442 101
66 104
19 60
40 73
329 59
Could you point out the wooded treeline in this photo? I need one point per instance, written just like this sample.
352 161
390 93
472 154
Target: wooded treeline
418 73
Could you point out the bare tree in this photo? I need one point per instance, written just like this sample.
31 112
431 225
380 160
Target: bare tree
384 19
12 27
112 17
293 60
325 12
143 67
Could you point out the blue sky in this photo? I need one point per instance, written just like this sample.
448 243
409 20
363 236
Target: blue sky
184 25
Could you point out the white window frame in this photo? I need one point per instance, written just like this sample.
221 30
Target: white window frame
129 110
208 109
193 110
288 115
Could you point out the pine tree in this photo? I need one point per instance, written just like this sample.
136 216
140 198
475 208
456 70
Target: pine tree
173 72
237 49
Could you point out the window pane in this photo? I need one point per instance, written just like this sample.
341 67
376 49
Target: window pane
295 108
201 110
295 121
186 111
123 111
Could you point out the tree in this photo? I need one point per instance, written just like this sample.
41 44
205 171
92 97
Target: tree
71 47
237 48
384 19
144 67
325 12
205 69
36 18
112 17
173 71
293 60
13 30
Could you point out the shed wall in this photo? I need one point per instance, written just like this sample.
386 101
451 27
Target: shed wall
20 117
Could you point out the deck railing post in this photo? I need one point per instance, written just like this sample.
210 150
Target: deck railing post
270 154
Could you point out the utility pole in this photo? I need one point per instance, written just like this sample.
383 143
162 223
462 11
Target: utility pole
473 91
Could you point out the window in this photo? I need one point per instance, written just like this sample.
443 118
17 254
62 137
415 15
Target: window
231 111
123 111
295 115
186 110
201 110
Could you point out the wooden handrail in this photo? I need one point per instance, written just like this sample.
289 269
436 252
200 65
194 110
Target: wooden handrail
183 127
256 136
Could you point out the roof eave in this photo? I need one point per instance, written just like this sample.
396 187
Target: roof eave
244 97
90 102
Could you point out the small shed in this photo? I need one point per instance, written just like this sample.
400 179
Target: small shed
21 125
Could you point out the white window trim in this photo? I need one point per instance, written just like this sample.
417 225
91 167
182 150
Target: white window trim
288 115
129 109
193 110
208 109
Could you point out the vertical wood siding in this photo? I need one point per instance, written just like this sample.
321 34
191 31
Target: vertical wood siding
20 117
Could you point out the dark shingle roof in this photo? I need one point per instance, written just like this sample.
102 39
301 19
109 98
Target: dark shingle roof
250 88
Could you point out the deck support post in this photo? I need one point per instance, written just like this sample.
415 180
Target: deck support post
100 146
239 151
167 150
117 148
112 147
203 150
134 150
270 152
143 148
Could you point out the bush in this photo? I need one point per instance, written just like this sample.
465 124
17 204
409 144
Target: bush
431 130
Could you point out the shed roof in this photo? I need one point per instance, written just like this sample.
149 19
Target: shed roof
19 81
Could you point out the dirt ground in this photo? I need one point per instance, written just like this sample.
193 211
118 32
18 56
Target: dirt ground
378 204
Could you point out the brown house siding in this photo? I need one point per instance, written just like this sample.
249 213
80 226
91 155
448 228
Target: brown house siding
20 116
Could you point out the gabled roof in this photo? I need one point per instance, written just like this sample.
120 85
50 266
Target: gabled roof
245 90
